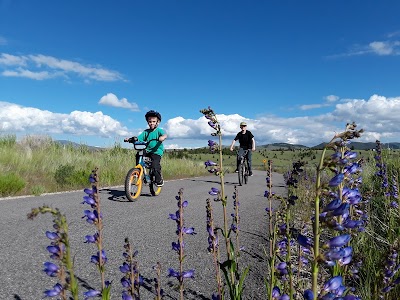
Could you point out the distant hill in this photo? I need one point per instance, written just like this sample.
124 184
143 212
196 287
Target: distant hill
76 145
283 146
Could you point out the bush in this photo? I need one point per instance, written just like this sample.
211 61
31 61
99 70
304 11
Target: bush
10 184
66 175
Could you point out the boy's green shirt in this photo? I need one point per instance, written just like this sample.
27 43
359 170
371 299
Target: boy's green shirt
152 136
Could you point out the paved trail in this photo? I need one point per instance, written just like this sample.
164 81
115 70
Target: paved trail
145 222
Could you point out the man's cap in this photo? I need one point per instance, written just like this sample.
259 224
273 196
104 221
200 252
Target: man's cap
243 124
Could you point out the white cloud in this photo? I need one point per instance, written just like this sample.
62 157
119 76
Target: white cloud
54 67
310 106
383 48
16 118
331 98
112 100
12 60
380 48
19 72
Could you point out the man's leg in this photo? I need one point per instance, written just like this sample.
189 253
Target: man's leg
249 160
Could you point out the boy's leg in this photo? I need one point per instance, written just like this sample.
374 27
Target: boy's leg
156 165
137 158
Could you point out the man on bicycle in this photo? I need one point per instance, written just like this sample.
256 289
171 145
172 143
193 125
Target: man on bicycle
246 142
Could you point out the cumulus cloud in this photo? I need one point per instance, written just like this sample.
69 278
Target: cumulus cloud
112 100
46 67
384 48
16 118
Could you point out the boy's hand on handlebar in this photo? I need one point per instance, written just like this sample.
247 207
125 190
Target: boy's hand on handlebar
131 139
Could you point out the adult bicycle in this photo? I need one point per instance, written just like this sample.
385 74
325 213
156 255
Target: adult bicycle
243 167
141 174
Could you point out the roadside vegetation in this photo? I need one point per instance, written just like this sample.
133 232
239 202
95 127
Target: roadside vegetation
336 235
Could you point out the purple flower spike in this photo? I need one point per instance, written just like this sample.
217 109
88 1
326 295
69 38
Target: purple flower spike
125 268
172 273
50 269
333 205
88 200
214 191
345 260
335 181
189 230
52 235
308 295
92 238
341 210
188 274
333 283
126 296
88 191
304 241
91 294
276 292
284 297
338 241
57 288
209 163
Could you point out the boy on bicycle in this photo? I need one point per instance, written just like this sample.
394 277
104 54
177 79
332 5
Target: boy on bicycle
246 142
155 137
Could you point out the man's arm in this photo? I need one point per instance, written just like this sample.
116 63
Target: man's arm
253 148
233 143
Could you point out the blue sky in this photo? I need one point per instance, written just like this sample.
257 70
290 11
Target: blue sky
295 71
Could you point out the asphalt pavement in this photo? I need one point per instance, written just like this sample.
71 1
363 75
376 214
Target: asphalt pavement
145 222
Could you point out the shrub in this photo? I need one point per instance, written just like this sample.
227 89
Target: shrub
10 184
67 175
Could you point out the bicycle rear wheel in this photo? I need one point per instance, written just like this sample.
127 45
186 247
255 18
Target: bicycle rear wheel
154 189
133 184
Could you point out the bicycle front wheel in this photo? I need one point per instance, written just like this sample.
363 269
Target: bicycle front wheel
133 184
241 173
246 173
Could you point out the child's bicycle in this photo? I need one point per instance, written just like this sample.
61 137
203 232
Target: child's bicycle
141 174
243 168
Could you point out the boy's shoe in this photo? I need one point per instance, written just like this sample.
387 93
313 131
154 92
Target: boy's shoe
161 183
250 173
236 171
